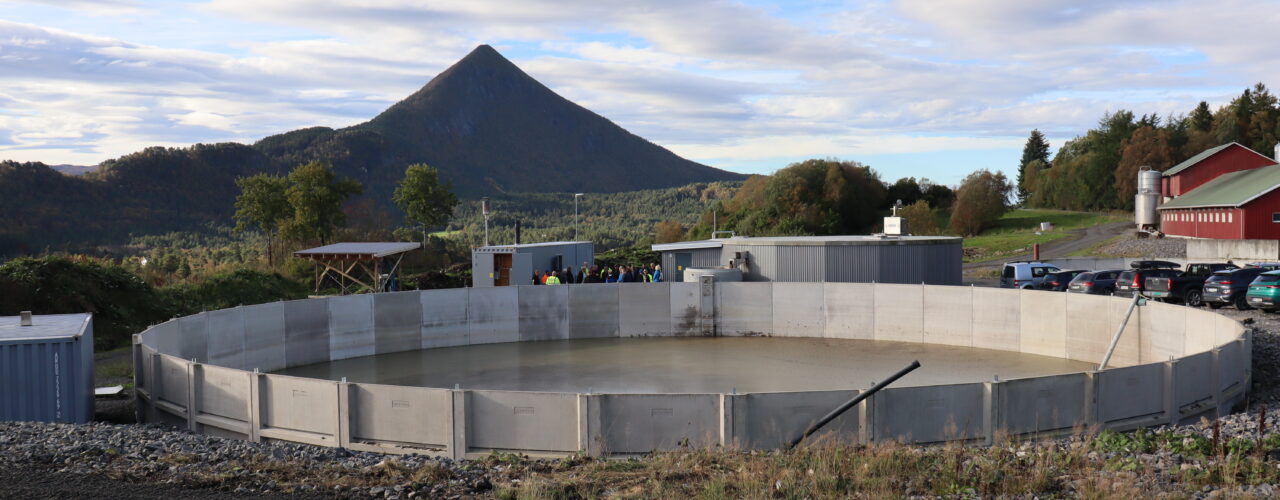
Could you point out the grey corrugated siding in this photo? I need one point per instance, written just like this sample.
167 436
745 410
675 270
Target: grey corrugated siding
762 261
47 380
853 263
801 263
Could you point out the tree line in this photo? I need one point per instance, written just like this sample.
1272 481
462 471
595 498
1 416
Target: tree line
833 197
1098 170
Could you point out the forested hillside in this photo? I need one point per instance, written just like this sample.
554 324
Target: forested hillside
489 128
1098 171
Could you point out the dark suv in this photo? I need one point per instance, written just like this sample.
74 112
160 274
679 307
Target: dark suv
1230 287
1095 283
1059 281
1134 280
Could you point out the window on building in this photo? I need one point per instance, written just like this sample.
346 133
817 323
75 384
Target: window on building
1229 214
1275 217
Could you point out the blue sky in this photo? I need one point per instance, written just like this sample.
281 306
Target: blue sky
923 88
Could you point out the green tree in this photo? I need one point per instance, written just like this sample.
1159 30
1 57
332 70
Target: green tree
262 203
316 195
920 219
424 200
982 198
1201 118
1036 149
668 232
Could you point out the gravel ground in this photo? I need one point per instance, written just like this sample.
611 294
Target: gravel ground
1132 246
106 460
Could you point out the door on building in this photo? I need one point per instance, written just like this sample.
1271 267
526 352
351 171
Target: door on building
501 269
683 261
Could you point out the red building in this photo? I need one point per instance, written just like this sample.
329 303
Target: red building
1223 193
1206 166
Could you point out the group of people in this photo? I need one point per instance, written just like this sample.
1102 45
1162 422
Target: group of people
648 273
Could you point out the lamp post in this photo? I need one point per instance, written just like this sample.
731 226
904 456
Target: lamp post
575 214
484 209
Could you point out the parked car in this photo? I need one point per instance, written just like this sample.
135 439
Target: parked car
1230 287
1187 286
1059 281
1095 283
1264 292
1025 275
1265 266
1134 280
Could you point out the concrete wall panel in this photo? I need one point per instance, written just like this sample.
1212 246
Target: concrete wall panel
226 337
929 414
997 319
532 421
644 309
640 423
223 392
1044 323
265 338
899 312
772 420
593 311
416 416
1130 394
1227 330
544 312
1201 331
1129 348
299 404
684 309
849 310
351 326
444 317
1163 331
397 322
306 332
744 309
948 315
1231 366
1041 404
1194 390
172 386
195 338
494 315
165 338
1089 326
798 310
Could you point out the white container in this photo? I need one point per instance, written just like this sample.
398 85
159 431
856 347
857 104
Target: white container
691 274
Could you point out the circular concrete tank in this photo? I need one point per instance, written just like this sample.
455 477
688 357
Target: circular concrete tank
212 372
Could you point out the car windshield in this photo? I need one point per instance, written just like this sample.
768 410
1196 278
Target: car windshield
1126 277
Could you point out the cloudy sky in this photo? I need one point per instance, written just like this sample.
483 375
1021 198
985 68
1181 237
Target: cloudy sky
932 88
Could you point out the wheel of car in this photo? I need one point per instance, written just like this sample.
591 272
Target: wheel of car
1194 298
1214 305
1241 303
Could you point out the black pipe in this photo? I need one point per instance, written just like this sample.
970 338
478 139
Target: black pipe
517 232
850 404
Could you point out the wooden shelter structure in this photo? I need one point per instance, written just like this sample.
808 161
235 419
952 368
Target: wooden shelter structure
371 264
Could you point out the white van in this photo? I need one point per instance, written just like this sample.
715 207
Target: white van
1025 274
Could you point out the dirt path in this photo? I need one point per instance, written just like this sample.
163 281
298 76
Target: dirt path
1079 239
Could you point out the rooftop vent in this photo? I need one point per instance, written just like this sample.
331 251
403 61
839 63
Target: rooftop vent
26 318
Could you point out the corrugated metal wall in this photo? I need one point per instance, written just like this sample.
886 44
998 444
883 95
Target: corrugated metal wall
700 257
852 264
932 263
801 263
47 380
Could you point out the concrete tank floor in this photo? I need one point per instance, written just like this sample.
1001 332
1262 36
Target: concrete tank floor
686 365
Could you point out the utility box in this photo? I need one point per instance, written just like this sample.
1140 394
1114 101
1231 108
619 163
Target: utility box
46 368
510 265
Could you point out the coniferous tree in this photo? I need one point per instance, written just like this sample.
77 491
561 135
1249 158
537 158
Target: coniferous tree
1201 118
1036 148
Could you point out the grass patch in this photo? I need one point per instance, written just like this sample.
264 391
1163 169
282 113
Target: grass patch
1015 232
116 363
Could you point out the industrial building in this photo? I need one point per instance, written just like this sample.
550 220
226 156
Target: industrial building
1228 192
506 265
934 260
46 368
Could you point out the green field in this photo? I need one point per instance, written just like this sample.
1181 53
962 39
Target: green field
1016 231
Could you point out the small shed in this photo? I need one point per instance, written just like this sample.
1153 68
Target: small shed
46 368
506 265
935 260
374 265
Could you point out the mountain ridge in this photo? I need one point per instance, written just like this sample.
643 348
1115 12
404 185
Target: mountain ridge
489 128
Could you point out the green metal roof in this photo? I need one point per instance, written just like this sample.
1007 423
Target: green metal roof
1196 159
1230 190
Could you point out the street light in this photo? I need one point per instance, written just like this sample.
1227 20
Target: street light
484 209
575 214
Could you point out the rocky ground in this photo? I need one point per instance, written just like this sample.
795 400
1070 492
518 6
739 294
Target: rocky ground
106 460
1129 245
